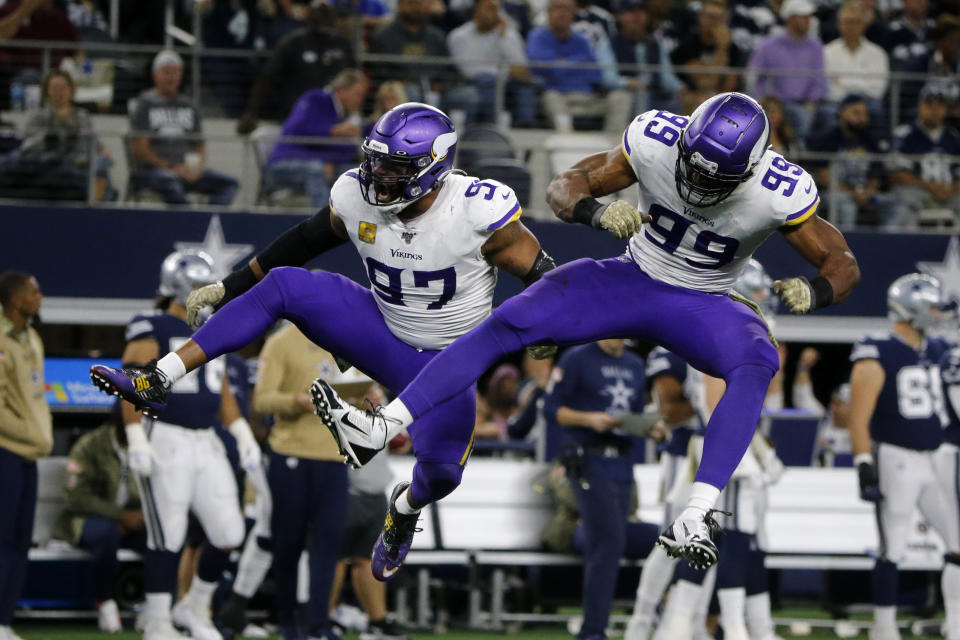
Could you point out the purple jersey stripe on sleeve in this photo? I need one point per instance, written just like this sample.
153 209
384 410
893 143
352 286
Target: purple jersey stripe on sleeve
505 219
626 145
806 209
353 174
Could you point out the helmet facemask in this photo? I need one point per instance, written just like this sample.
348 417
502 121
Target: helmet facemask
389 179
699 182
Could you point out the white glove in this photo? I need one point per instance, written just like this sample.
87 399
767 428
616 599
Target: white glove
622 219
139 452
201 299
541 351
796 293
247 445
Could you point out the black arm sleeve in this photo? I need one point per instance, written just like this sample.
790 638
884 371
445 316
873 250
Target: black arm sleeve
521 423
294 248
541 265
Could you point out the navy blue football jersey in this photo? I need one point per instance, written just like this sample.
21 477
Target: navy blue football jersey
950 376
940 158
661 362
910 407
194 400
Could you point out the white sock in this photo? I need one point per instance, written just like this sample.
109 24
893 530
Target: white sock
702 498
201 592
657 571
684 596
732 603
759 619
157 606
950 585
303 578
398 418
172 367
885 617
403 505
254 564
703 599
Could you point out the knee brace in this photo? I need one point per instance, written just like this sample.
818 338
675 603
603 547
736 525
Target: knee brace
434 480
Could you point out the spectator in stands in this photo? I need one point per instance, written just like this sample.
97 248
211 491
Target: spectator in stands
58 145
333 112
597 25
858 197
102 511
782 139
308 480
710 45
367 504
910 34
166 160
389 95
751 21
789 65
228 24
634 44
307 58
941 65
39 20
486 48
854 65
930 179
595 384
410 35
570 91
26 433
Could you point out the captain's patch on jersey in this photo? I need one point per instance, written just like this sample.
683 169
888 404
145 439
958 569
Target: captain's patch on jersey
367 232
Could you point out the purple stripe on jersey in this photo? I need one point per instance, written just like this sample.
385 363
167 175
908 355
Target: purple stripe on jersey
353 174
502 221
626 145
796 215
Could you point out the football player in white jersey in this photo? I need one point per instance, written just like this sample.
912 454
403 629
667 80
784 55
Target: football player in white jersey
431 240
713 192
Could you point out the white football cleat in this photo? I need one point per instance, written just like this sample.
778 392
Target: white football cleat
161 629
692 540
738 632
360 435
196 619
884 633
108 617
677 626
638 628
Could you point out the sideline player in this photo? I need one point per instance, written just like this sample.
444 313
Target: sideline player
179 461
896 401
431 240
714 193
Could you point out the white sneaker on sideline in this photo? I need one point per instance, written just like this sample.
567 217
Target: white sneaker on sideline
161 629
638 628
108 617
195 619
884 633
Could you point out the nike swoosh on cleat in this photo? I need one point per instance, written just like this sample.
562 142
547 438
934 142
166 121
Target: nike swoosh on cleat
346 420
386 573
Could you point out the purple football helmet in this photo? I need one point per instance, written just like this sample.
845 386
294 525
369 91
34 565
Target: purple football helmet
725 138
408 154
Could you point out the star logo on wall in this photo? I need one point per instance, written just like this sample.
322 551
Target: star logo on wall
948 271
225 256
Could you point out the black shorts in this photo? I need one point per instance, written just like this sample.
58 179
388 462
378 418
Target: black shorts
364 522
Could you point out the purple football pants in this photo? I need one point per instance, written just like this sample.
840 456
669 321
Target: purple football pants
342 317
588 300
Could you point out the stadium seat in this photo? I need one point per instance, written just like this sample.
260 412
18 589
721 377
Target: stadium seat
566 149
480 142
263 139
508 171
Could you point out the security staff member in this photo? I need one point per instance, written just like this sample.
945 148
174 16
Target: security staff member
592 384
26 432
307 477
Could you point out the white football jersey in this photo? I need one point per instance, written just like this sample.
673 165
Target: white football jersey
705 248
428 275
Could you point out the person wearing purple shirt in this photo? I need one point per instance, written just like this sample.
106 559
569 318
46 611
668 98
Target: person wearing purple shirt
570 91
789 65
321 113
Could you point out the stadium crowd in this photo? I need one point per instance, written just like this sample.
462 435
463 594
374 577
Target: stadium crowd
841 80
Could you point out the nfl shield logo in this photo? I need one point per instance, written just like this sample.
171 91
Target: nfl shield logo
407 236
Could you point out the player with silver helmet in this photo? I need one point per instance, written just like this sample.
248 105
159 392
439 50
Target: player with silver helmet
895 423
178 460
431 240
710 201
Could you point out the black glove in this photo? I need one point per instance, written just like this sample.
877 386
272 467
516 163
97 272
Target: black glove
869 482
